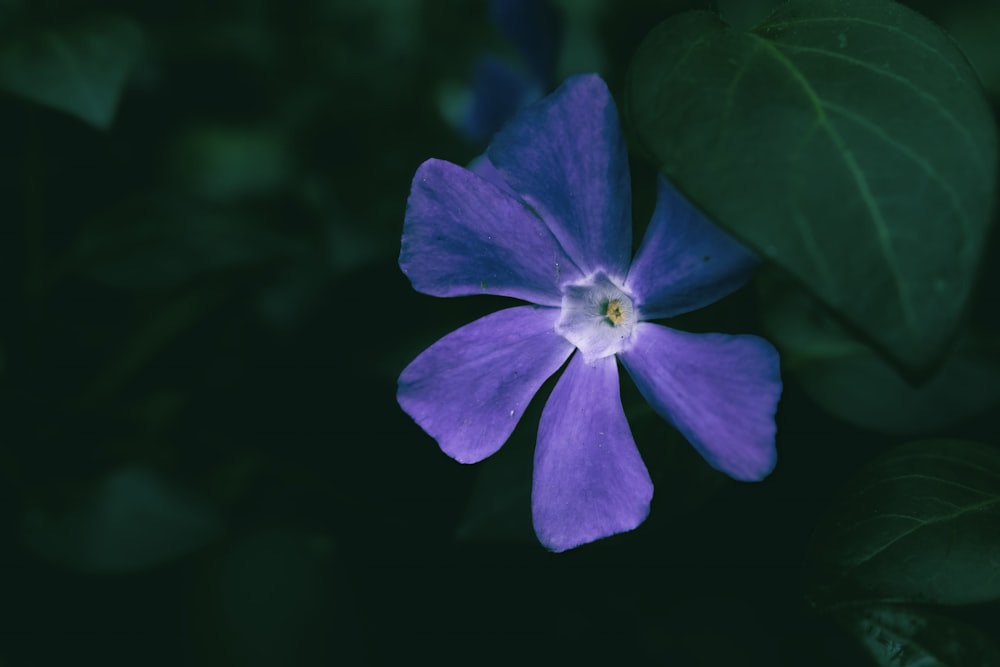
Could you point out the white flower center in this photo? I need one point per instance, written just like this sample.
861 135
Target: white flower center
597 317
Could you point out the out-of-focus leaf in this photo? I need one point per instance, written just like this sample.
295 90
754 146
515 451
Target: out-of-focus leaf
79 68
158 241
226 162
130 520
847 141
919 524
899 636
852 381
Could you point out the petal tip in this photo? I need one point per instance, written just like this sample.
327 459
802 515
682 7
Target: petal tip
560 541
758 470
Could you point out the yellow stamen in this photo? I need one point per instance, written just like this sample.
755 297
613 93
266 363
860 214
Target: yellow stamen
614 313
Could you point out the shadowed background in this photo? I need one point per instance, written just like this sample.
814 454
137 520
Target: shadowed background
201 457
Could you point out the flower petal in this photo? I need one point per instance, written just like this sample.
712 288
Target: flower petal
469 389
589 480
464 235
482 166
685 261
565 155
720 391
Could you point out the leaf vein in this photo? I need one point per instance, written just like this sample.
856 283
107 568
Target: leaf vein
854 19
933 102
939 480
881 229
943 457
971 508
926 166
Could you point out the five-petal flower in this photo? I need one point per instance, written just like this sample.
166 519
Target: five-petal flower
547 219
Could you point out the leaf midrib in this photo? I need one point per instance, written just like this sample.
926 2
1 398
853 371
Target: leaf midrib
853 168
923 524
903 81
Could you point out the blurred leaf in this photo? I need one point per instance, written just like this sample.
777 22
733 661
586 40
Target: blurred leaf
225 162
132 519
850 380
79 68
904 637
158 241
919 524
848 141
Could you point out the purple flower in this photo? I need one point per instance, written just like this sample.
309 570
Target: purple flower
550 224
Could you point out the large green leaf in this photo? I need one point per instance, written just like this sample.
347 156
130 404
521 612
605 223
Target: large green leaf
128 521
79 68
919 524
898 636
850 380
848 141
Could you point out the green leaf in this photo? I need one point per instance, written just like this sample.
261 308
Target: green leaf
904 637
79 68
130 520
918 524
850 380
847 141
975 26
232 161
745 14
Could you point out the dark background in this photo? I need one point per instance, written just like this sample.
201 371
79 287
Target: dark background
201 457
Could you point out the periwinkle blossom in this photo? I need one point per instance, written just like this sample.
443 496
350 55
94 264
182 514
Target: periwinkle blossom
550 224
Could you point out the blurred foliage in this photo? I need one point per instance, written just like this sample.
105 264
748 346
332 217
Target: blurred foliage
201 458
79 68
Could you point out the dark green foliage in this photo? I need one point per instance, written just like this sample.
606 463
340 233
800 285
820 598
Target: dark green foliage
79 68
851 380
918 524
201 459
898 636
849 143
